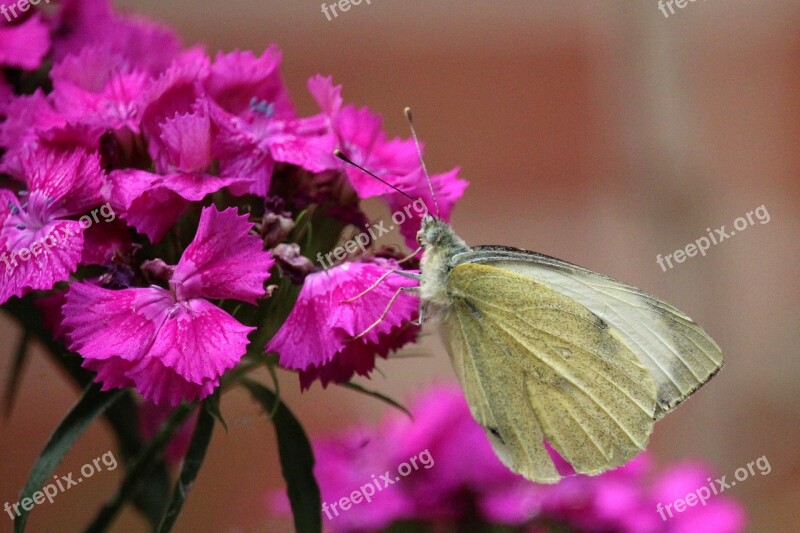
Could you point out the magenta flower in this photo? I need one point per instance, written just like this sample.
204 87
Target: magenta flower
81 23
99 88
28 118
720 513
359 134
466 483
258 128
39 244
173 345
24 43
448 189
316 338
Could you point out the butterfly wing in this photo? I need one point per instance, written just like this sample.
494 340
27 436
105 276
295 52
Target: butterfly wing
678 353
538 366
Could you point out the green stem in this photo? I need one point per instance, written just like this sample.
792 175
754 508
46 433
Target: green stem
140 468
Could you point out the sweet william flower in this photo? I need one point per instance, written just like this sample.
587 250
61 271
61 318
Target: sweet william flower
39 244
258 127
80 23
460 481
358 133
101 88
24 41
447 187
317 337
173 344
153 202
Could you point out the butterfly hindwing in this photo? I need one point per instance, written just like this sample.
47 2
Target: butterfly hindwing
538 366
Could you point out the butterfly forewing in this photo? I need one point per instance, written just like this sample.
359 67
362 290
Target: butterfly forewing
678 353
536 366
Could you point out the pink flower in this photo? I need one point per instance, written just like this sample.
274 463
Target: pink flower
317 336
448 189
23 44
152 203
39 244
462 481
176 95
81 23
257 124
173 345
359 134
99 87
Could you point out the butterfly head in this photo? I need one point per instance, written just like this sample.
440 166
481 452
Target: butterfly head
435 233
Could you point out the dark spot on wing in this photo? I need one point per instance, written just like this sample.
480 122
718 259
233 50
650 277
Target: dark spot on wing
475 310
496 433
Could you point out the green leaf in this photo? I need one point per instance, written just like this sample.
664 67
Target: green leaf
297 461
380 396
212 406
91 405
139 470
16 372
191 466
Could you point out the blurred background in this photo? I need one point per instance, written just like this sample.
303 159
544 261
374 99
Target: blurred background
603 133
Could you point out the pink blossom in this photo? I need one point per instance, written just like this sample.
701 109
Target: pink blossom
39 244
466 483
359 134
173 345
25 43
317 337
257 124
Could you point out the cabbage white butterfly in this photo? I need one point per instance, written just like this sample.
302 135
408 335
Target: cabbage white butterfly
547 351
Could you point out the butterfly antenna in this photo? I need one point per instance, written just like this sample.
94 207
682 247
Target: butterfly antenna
407 112
338 153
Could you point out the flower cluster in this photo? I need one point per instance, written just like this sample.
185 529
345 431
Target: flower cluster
470 486
218 187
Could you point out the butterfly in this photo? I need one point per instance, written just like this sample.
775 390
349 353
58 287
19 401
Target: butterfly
547 351
550 352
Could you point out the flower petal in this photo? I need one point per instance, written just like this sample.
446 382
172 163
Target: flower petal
239 77
199 341
41 260
70 179
24 45
224 260
321 325
103 323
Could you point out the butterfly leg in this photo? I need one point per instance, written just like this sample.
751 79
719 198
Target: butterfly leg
386 311
379 281
412 255
423 311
